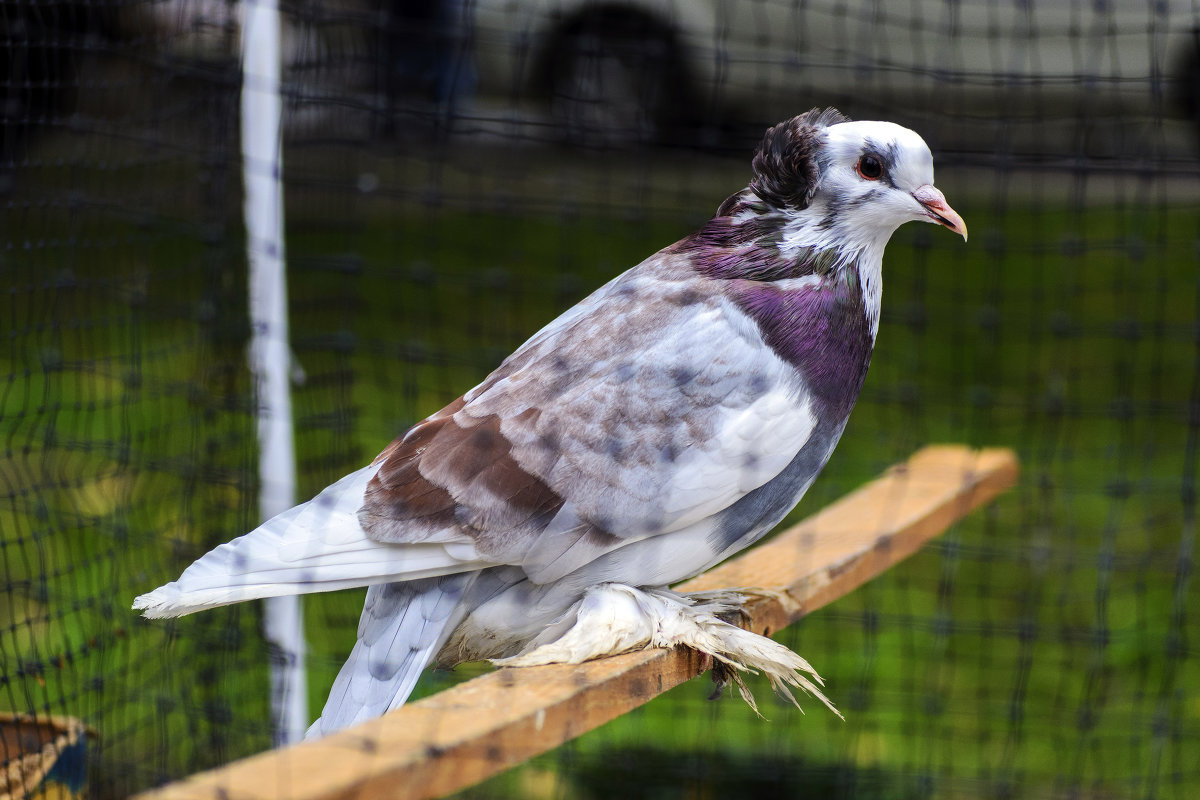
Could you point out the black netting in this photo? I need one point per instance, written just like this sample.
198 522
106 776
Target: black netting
457 174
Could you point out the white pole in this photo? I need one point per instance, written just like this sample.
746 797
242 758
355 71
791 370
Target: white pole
270 353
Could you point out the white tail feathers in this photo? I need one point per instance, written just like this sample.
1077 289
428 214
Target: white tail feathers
318 546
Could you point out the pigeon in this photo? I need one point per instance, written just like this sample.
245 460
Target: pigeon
667 421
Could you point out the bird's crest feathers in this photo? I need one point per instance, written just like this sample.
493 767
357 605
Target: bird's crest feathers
787 172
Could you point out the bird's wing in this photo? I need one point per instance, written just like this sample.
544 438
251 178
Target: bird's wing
648 409
347 537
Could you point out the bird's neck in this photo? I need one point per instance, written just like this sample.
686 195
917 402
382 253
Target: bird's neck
856 252
747 240
813 293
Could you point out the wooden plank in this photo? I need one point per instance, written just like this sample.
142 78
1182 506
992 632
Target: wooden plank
467 733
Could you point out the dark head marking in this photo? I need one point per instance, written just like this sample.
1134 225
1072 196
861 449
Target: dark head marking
786 168
887 156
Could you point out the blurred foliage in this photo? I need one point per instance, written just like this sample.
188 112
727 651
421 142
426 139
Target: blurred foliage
1041 648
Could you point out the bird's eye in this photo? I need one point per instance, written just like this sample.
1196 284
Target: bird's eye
869 168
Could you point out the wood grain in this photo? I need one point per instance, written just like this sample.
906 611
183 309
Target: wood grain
467 733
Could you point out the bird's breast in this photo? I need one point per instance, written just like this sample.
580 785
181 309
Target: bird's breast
820 329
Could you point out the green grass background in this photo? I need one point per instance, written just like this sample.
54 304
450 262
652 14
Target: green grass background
1042 648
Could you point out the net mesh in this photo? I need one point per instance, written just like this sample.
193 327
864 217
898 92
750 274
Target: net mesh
458 173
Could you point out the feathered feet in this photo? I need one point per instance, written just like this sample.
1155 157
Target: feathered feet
613 618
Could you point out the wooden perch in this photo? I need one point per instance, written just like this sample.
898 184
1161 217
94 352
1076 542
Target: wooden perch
467 733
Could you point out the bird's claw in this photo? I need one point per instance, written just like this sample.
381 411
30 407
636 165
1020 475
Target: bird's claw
722 676
738 616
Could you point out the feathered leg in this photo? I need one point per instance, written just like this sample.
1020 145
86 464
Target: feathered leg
614 618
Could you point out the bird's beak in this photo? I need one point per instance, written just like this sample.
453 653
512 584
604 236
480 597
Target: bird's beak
939 211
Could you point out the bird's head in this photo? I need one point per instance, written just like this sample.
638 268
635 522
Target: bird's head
848 184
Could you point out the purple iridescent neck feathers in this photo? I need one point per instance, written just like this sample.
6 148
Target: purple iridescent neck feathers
807 301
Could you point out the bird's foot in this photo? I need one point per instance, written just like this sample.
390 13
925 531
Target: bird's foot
722 675
613 618
724 604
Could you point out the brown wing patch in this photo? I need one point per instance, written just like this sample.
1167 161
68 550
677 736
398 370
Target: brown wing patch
399 492
444 473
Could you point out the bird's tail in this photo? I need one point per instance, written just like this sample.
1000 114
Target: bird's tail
317 546
403 626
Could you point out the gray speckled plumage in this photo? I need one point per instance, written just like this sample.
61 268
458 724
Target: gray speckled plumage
668 420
